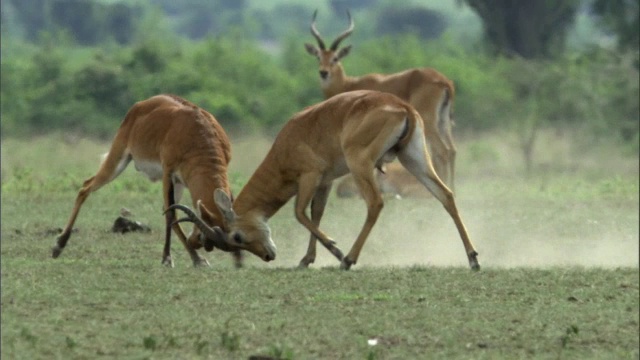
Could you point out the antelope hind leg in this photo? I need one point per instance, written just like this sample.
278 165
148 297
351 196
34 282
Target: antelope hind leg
416 159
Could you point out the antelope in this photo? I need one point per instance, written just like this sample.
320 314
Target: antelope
430 92
352 132
172 140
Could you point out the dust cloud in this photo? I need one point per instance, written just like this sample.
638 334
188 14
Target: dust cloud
408 234
505 232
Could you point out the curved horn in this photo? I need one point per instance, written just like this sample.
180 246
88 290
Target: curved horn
344 35
215 237
315 32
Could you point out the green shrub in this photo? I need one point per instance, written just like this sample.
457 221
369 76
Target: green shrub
59 86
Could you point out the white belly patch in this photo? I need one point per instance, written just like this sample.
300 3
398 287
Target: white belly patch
152 169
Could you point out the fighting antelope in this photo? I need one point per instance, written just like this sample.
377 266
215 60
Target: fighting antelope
430 93
172 140
352 132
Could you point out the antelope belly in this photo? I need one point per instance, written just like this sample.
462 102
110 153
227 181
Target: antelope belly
152 169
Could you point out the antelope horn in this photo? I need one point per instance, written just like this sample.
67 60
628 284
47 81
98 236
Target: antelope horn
215 237
344 35
315 32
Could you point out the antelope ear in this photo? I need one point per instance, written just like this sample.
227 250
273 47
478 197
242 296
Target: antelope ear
312 49
344 52
223 202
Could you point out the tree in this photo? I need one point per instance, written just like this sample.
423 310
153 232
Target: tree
426 23
339 7
621 18
530 29
31 15
77 16
199 18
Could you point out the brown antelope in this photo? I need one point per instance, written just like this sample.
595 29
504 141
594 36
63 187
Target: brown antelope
172 140
352 132
430 93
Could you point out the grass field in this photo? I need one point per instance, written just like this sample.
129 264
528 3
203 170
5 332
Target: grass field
559 251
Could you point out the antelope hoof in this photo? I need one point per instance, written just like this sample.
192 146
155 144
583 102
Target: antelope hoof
336 252
346 263
473 261
304 263
200 262
167 261
56 250
238 259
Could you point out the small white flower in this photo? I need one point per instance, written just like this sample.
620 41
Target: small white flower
372 342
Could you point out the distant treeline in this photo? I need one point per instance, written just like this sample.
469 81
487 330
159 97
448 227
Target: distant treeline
84 72
94 22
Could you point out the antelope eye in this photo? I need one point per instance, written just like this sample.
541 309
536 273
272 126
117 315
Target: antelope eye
237 238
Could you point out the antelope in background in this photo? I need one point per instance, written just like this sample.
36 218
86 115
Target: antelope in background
173 140
352 132
394 181
430 93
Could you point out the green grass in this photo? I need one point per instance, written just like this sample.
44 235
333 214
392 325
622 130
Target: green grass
129 307
559 251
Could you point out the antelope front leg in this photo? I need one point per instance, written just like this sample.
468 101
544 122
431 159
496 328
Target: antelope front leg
310 256
373 198
172 193
170 218
317 210
166 252
238 259
307 189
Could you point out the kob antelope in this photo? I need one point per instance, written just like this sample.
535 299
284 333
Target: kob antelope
353 132
430 93
172 140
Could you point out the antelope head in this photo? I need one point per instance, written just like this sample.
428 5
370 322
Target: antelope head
329 59
255 236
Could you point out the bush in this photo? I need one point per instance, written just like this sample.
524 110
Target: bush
245 87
